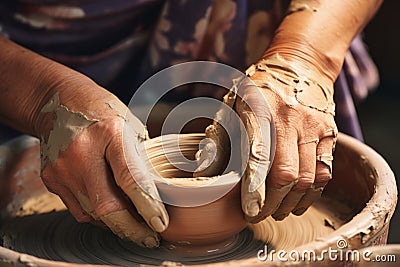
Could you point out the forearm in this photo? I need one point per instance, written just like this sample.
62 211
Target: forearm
319 32
23 88
29 81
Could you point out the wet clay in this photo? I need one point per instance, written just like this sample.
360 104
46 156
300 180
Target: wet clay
29 226
323 217
302 5
190 222
66 126
189 225
298 87
57 236
212 159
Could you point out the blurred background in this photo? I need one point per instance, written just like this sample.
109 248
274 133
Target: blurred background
380 112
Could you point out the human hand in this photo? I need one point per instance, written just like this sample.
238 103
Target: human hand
299 103
83 161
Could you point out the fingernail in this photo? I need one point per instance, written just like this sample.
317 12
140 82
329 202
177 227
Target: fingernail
150 242
253 209
299 211
280 217
157 224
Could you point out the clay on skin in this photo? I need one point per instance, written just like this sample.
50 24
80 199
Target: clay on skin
66 126
292 84
124 226
213 158
301 89
302 5
254 177
293 87
84 201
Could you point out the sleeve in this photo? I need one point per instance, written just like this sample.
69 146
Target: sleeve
357 78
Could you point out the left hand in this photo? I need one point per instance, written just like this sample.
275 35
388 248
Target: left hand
92 158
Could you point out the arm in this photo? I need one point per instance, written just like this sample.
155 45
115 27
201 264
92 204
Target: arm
319 32
23 77
295 77
80 128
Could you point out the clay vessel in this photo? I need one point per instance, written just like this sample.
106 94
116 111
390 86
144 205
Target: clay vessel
203 210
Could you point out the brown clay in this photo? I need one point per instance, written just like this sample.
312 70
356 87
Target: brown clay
192 224
208 224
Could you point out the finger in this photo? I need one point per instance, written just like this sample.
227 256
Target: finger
257 145
124 225
84 201
65 194
129 170
311 195
107 203
307 165
75 188
323 173
100 195
253 183
283 174
71 203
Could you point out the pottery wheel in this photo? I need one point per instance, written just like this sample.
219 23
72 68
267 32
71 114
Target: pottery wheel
44 228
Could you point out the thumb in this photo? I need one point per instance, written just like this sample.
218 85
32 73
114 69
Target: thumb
254 113
133 177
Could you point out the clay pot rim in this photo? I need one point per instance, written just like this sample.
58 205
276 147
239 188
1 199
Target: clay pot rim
189 191
382 201
227 179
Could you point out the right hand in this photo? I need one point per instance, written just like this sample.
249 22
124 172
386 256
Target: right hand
302 111
83 161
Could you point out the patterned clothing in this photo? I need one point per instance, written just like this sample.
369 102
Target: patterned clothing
121 43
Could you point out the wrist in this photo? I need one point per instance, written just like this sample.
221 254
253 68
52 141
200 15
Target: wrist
293 82
305 58
78 94
69 85
317 34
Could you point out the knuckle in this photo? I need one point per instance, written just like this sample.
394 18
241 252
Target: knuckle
124 179
323 179
107 206
323 168
305 182
322 172
290 116
112 127
285 174
52 185
246 90
328 129
82 218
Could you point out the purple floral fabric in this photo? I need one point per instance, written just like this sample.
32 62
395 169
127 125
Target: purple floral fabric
121 43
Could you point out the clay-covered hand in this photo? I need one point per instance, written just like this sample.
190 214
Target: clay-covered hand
83 161
298 102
